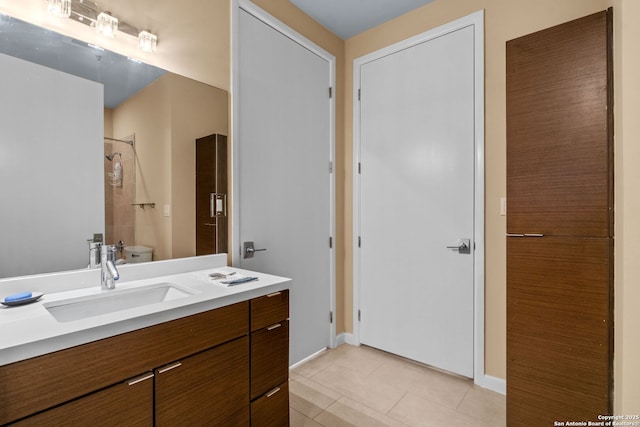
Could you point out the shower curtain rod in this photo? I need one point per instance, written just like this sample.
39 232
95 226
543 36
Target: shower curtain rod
119 140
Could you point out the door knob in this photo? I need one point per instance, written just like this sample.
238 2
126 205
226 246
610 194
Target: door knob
249 250
463 247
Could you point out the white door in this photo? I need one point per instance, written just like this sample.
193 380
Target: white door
283 146
417 200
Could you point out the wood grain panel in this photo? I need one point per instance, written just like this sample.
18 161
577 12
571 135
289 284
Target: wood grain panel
119 405
211 177
559 335
272 409
206 226
39 383
269 309
559 125
269 357
206 389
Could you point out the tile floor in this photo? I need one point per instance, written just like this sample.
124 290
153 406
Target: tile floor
362 386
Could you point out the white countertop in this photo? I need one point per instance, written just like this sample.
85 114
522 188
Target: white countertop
30 330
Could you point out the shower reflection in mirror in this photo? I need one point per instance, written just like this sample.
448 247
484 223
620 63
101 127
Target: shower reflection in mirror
119 189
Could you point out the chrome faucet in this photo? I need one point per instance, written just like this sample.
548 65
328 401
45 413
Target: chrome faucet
108 271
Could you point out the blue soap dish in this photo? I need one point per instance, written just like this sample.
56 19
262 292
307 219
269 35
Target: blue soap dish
21 298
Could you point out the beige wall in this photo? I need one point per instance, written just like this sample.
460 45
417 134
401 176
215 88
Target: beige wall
167 117
148 116
197 110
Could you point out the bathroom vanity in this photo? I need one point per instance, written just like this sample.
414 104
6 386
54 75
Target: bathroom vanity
217 356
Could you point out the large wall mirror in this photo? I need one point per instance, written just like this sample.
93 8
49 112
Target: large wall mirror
92 142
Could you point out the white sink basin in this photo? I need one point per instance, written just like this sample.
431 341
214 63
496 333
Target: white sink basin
107 302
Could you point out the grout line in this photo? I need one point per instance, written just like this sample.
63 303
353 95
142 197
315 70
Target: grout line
396 404
462 400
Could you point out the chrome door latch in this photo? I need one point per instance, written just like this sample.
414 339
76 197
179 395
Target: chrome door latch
463 246
249 250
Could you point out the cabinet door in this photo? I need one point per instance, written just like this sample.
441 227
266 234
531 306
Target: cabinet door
269 358
559 130
209 388
560 329
129 403
211 181
271 409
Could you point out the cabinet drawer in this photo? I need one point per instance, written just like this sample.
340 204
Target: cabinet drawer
272 408
206 389
269 358
269 309
129 403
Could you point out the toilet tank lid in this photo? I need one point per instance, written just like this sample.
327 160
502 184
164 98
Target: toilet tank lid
137 249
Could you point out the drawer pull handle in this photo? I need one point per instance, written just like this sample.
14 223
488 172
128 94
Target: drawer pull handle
272 327
168 368
272 392
139 380
275 294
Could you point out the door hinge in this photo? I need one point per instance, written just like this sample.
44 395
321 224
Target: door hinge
330 92
330 242
331 317
359 316
359 167
359 242
330 167
358 94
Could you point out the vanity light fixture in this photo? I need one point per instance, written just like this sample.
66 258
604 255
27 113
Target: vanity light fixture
106 24
147 41
61 8
88 13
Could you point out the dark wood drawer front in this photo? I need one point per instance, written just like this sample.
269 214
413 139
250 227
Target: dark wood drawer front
269 358
126 404
269 309
271 409
206 389
42 382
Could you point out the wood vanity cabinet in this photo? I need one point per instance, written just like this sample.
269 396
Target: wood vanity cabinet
194 370
270 360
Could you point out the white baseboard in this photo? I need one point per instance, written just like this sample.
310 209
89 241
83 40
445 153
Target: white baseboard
306 359
349 339
492 383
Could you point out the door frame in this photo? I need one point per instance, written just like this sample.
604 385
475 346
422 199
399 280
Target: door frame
476 20
287 31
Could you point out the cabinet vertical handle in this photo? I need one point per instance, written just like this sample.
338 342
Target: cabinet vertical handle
139 380
272 327
272 392
275 294
168 368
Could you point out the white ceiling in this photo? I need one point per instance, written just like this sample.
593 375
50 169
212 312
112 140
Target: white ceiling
346 18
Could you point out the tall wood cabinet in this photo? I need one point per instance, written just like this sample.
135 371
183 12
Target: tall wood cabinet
211 195
560 223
